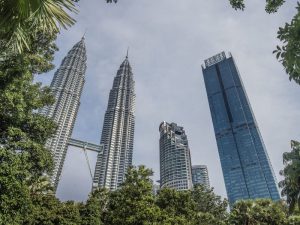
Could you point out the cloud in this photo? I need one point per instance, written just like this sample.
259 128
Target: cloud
168 42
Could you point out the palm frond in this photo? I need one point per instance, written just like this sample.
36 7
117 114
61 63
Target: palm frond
20 18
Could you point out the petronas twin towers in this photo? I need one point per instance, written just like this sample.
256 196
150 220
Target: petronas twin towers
118 128
118 131
66 86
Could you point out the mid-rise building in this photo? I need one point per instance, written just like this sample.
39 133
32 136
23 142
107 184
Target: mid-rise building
247 170
200 175
118 131
175 159
66 87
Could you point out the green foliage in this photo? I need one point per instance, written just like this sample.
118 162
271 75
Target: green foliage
237 4
92 212
48 210
291 183
134 202
273 5
19 18
289 53
23 132
198 206
177 207
208 202
294 220
14 192
261 211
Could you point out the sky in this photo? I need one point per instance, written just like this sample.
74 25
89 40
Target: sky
168 42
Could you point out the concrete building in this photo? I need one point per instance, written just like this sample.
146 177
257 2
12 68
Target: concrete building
66 87
175 159
118 131
200 175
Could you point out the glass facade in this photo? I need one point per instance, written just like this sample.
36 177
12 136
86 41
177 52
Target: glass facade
247 170
200 175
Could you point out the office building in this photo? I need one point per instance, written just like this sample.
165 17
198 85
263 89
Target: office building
175 159
66 87
118 131
200 175
247 170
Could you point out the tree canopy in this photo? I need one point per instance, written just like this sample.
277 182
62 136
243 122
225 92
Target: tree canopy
291 183
23 132
289 35
261 211
18 18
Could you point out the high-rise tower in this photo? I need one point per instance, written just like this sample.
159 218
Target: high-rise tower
200 175
175 159
66 87
118 131
247 170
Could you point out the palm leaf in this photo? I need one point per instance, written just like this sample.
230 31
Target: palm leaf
19 19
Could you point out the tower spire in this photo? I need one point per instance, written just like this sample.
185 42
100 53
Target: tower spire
66 86
127 53
83 36
118 131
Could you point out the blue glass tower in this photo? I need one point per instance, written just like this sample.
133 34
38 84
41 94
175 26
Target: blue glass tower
247 170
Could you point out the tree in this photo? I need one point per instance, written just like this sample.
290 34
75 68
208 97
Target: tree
92 212
291 183
133 202
23 132
19 17
209 205
48 210
293 220
177 207
197 206
288 54
260 211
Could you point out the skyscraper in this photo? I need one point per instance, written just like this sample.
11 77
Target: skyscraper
66 87
200 175
175 159
247 170
118 131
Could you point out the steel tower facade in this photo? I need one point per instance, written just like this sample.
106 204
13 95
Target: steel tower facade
66 86
247 170
118 131
175 158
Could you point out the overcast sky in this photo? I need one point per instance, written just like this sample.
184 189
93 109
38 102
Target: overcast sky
168 42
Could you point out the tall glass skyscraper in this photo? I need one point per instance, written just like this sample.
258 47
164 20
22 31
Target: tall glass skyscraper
118 131
175 158
247 170
200 175
66 87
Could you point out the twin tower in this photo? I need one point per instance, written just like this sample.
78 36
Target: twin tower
246 167
115 154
